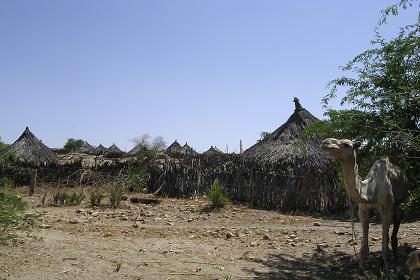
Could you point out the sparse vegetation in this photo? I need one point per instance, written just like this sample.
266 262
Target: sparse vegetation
95 198
12 216
118 265
116 193
138 177
63 198
217 196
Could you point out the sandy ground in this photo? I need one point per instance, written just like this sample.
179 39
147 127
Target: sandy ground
182 239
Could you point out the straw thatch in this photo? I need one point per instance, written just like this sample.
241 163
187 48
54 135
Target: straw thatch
86 148
213 151
100 150
31 151
175 149
188 150
114 152
285 143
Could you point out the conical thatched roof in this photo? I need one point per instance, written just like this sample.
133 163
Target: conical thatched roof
113 151
175 148
86 148
137 149
100 150
30 150
213 151
281 143
188 150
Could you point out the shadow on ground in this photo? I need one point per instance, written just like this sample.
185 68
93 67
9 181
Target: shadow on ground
326 265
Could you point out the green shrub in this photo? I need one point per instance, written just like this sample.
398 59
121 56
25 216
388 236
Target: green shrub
95 198
75 198
12 216
116 193
6 182
138 177
411 208
60 198
217 196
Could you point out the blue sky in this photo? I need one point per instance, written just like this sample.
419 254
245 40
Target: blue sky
206 72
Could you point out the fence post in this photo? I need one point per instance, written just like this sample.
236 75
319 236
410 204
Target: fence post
32 185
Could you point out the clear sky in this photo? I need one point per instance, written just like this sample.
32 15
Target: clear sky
207 72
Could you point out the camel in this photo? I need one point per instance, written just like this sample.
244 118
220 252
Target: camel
384 188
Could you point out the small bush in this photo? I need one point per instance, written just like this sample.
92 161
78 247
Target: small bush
95 198
76 198
116 193
6 182
12 216
138 177
217 196
60 198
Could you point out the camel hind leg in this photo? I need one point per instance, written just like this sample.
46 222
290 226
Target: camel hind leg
395 228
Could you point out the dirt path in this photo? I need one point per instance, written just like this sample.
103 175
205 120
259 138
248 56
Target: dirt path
179 239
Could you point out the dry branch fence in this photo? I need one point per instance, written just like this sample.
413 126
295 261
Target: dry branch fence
286 186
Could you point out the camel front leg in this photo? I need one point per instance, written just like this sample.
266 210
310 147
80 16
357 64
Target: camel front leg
385 249
364 249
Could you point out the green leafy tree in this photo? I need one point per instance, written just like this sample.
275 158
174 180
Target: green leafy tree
72 145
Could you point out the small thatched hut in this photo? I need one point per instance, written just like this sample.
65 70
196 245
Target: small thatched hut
86 148
188 150
100 150
175 149
213 151
114 152
29 150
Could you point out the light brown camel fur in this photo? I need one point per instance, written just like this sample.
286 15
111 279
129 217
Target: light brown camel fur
384 188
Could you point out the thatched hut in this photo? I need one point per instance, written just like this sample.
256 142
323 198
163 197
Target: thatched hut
213 151
114 152
309 176
100 150
188 150
29 150
86 148
175 149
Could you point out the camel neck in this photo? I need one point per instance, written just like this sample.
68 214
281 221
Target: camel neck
352 179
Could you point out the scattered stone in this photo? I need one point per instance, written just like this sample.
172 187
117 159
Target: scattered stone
293 244
317 224
229 235
79 211
135 226
375 238
253 244
73 221
124 218
267 237
339 232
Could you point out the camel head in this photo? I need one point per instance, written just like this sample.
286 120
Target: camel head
342 150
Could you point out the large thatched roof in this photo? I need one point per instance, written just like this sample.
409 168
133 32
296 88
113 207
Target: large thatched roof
30 150
285 142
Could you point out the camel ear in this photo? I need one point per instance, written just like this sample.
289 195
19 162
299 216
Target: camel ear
356 144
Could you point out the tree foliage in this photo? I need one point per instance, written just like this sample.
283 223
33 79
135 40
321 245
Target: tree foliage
72 145
156 144
383 100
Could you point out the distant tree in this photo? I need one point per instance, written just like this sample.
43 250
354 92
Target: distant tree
72 145
157 143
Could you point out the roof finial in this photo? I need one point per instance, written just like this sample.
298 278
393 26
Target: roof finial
297 104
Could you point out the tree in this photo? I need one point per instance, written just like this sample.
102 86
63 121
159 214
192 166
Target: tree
72 145
156 144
